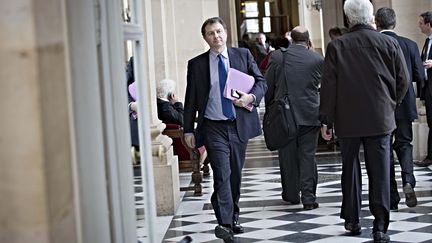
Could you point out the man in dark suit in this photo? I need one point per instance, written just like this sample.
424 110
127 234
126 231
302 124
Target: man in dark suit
296 71
224 126
262 48
364 77
425 25
406 112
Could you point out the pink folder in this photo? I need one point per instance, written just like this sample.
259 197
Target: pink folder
238 81
132 91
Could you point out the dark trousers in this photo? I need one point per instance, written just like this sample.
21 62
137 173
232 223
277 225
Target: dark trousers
227 155
377 159
298 166
428 104
403 136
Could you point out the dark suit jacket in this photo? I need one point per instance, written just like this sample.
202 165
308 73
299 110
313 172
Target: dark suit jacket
198 88
427 88
170 113
407 110
304 68
364 77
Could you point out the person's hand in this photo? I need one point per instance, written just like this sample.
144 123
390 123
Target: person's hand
189 139
134 106
172 98
326 133
427 64
245 99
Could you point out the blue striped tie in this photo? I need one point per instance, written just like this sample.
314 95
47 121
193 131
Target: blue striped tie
226 103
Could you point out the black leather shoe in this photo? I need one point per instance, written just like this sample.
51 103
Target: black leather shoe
237 228
291 201
424 163
310 206
394 208
410 195
353 228
224 233
380 237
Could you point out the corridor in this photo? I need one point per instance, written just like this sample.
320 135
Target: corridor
267 218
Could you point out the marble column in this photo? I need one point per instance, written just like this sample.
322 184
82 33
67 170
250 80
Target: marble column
165 164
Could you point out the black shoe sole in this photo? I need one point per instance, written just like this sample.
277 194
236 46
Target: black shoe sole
224 233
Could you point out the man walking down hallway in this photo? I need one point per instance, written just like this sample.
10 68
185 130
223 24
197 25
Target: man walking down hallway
406 112
296 71
364 77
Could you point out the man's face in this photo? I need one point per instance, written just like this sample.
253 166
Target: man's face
215 36
425 28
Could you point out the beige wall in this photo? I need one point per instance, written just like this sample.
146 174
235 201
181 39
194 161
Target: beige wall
189 16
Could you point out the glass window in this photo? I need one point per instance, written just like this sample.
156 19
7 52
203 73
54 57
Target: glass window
252 25
267 8
251 9
266 24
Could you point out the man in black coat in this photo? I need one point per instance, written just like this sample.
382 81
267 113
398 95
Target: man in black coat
299 77
406 112
364 77
223 126
425 25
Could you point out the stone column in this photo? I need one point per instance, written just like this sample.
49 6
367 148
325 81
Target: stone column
166 177
332 14
227 11
189 16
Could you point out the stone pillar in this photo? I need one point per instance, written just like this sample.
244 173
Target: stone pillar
332 14
227 11
37 199
166 177
188 16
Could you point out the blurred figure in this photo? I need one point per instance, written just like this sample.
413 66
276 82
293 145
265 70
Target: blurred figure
364 78
336 32
262 48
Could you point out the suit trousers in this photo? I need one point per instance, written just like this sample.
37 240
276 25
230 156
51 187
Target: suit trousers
428 104
403 136
298 166
377 160
226 153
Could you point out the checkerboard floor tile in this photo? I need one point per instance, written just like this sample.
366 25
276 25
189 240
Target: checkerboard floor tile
266 218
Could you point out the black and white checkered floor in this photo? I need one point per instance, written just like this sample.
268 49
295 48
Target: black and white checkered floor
266 218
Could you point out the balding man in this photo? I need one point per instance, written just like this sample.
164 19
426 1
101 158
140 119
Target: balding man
296 71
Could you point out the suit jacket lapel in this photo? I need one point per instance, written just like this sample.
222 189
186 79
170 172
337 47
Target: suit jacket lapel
233 59
205 68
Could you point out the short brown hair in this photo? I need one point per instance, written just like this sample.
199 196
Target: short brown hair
212 21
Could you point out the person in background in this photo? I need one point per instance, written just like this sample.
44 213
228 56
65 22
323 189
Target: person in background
262 48
425 25
297 160
364 78
336 32
406 112
170 110
223 126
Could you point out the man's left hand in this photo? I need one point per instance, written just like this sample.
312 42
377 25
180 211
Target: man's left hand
245 99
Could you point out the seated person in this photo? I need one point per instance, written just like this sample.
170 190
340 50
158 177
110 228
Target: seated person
170 110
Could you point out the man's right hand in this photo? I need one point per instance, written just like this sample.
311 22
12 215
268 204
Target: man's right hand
326 133
189 139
